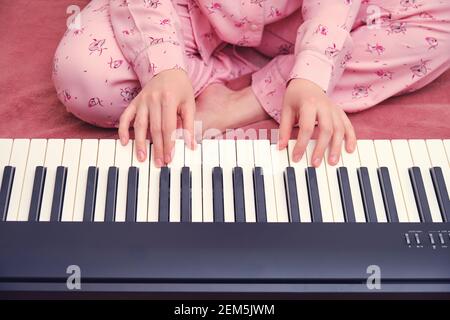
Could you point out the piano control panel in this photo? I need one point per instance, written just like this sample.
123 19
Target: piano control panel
435 239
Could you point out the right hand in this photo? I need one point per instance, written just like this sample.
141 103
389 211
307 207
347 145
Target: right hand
165 97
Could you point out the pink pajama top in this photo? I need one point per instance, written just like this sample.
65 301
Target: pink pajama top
152 42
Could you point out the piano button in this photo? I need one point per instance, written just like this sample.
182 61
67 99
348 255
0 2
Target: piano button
291 194
441 192
132 194
261 150
388 194
5 154
175 181
90 194
302 189
227 157
447 149
352 163
142 190
367 194
369 160
186 203
111 194
313 194
88 158
53 157
59 193
105 160
217 183
420 195
36 196
122 160
333 186
5 190
19 155
153 189
421 159
164 194
280 162
210 159
346 194
260 198
385 158
71 159
245 160
238 191
193 160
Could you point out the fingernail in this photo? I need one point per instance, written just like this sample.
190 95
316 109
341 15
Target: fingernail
296 157
333 159
158 163
122 141
141 155
167 158
316 162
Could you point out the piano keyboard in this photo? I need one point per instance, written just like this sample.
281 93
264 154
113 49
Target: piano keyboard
223 181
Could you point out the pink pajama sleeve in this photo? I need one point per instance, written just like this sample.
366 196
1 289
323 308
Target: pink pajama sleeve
149 35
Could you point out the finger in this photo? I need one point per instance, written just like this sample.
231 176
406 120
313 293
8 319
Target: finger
306 123
124 123
155 130
169 127
286 124
187 119
325 134
140 132
336 141
350 135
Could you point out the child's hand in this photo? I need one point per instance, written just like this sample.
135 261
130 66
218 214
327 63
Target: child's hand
166 96
304 103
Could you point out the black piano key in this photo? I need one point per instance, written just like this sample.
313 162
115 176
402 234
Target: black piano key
58 193
420 195
5 190
132 194
111 194
238 191
164 194
91 194
313 194
186 197
367 195
441 192
290 184
388 194
38 191
346 194
217 183
260 196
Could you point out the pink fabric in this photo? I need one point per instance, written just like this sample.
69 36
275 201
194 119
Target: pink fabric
30 108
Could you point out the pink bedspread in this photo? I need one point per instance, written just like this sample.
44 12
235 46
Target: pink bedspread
29 107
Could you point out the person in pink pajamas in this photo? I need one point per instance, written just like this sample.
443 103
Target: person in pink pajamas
159 64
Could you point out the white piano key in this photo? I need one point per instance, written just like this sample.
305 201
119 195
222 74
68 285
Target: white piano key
279 163
438 158
53 158
105 160
402 155
322 183
447 148
261 151
421 159
193 160
175 181
123 162
88 157
153 189
302 188
18 159
386 158
210 159
245 160
71 159
5 147
227 157
142 202
333 187
36 157
368 158
352 163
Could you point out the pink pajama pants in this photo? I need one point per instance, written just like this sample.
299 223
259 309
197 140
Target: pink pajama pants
403 54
